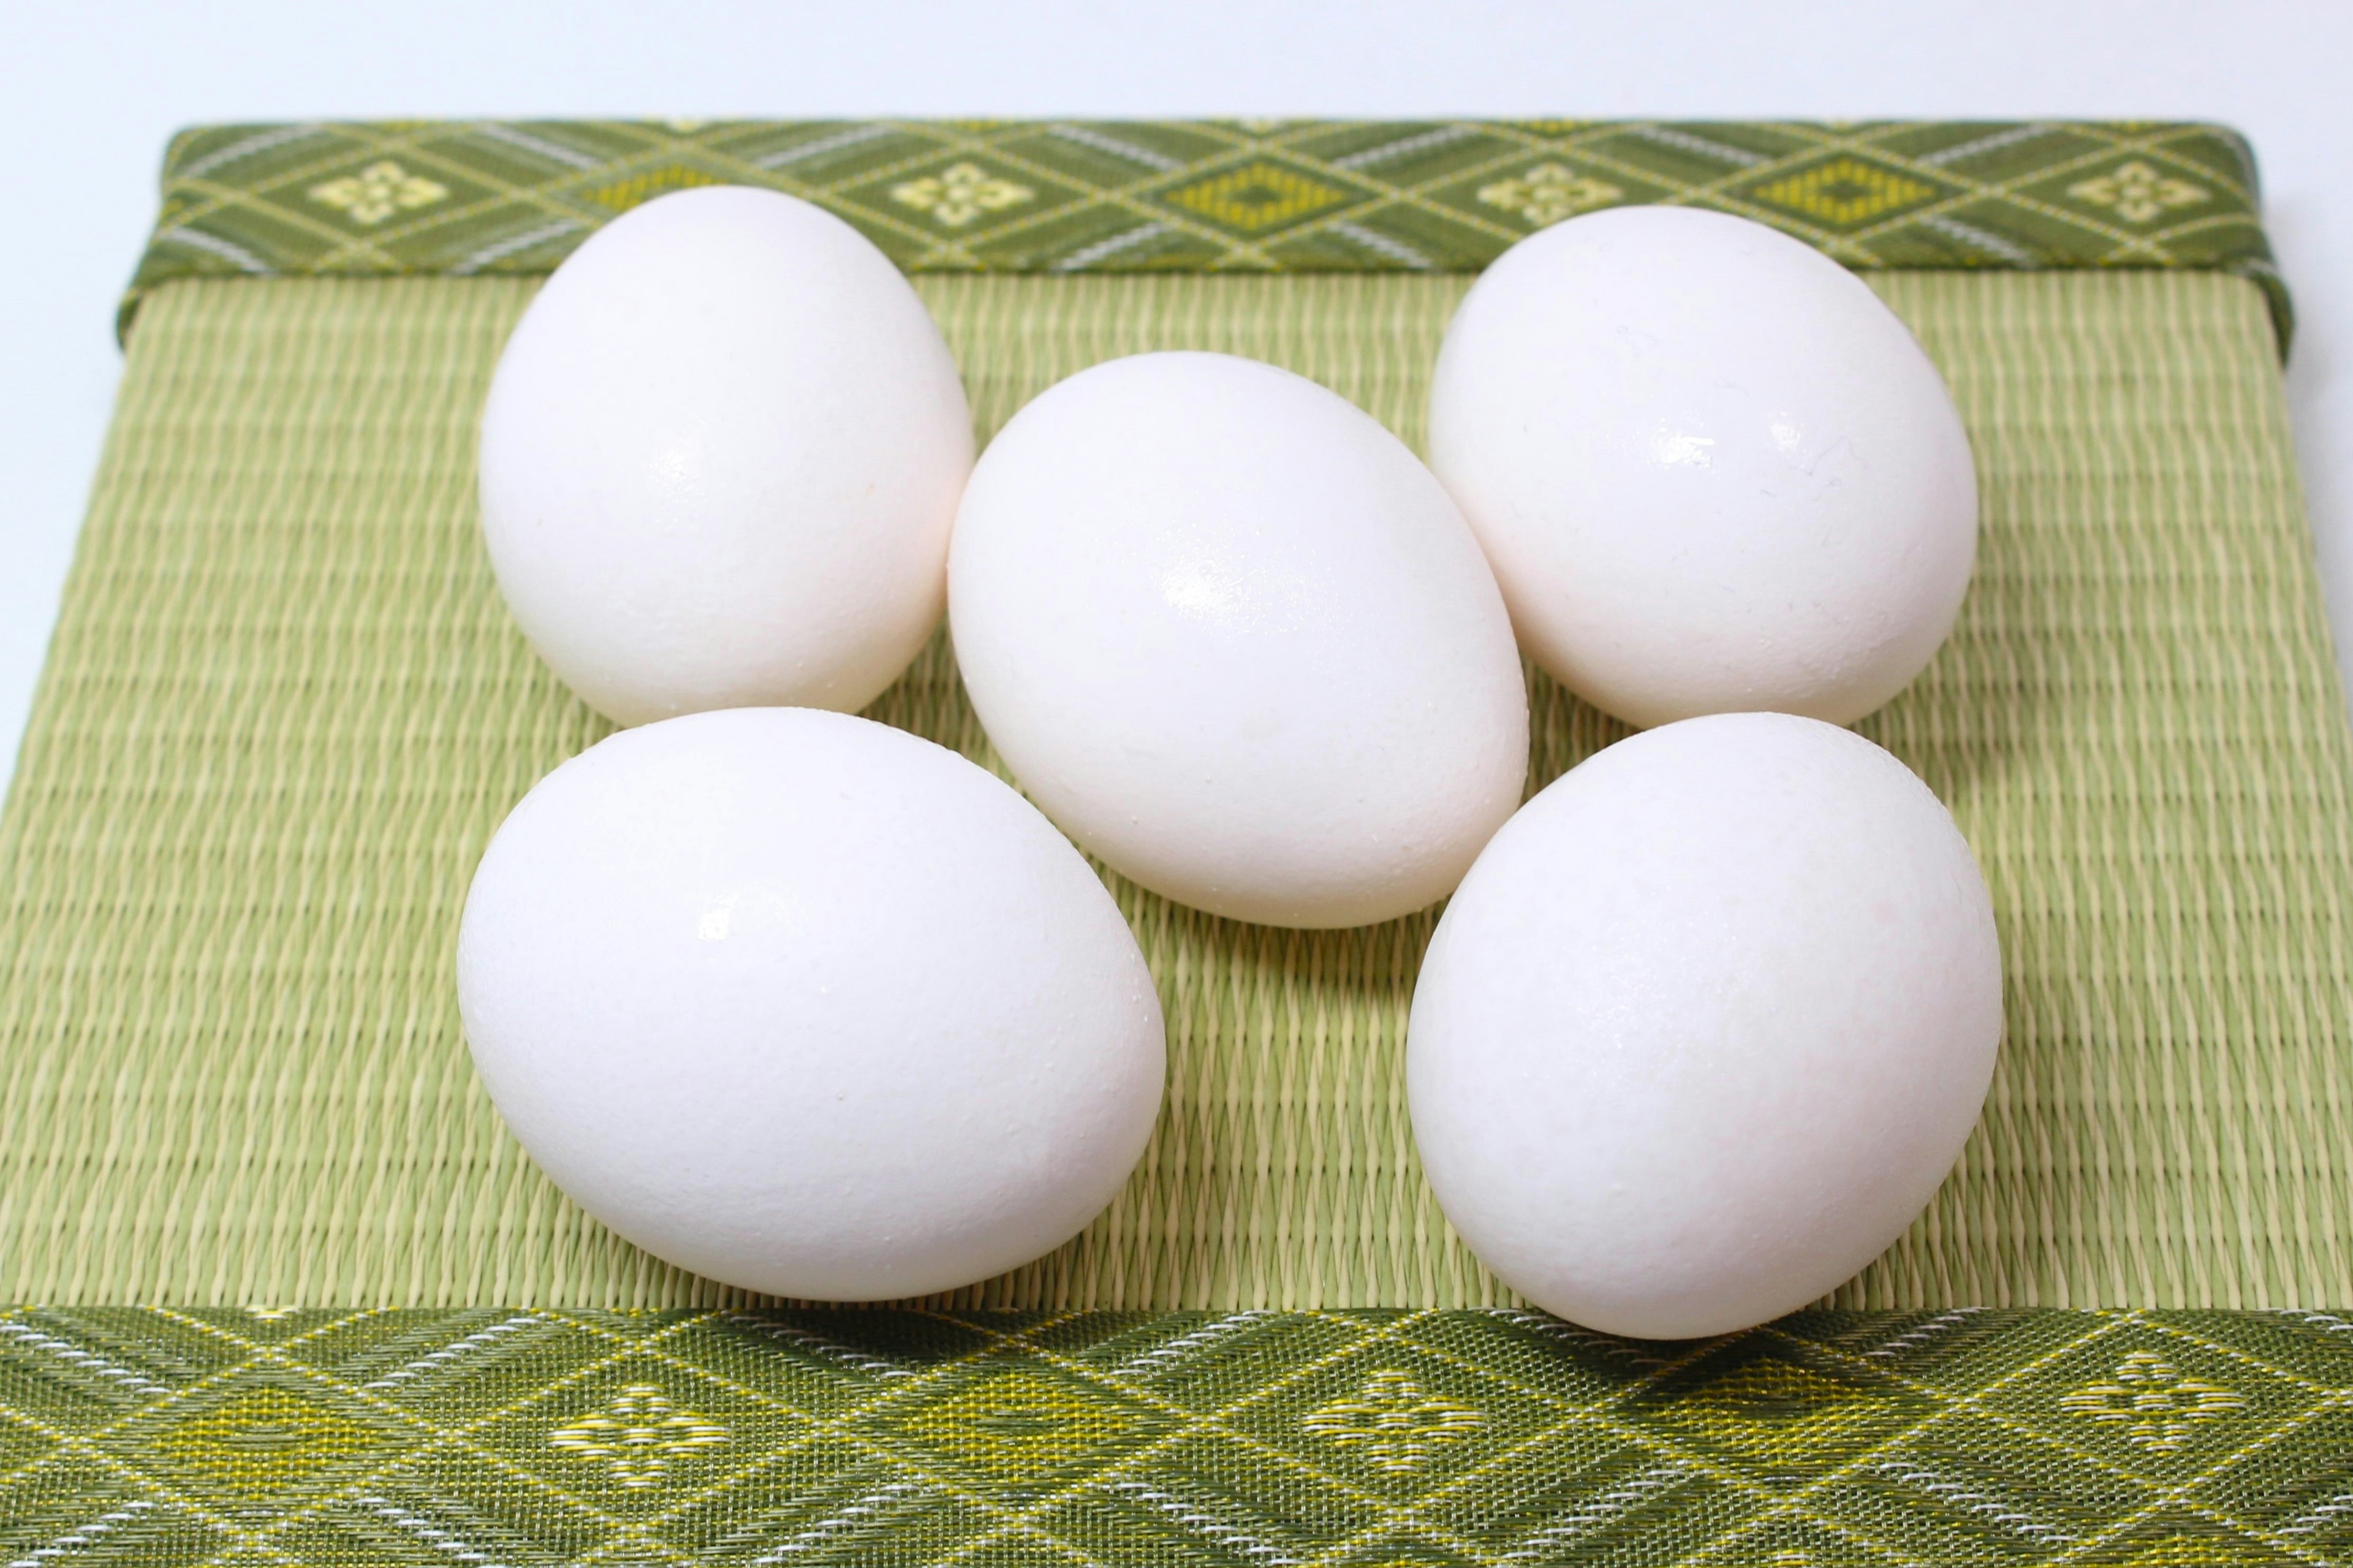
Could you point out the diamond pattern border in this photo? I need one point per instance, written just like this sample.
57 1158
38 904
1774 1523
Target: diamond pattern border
893 1436
460 198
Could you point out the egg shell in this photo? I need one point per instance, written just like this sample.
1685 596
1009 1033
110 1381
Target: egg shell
1233 638
806 1005
720 461
1706 1025
1712 470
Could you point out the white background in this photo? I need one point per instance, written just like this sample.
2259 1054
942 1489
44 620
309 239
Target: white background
90 91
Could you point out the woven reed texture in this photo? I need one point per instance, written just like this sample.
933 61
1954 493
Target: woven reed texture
285 710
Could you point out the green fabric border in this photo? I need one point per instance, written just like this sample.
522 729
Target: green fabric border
451 198
1185 1440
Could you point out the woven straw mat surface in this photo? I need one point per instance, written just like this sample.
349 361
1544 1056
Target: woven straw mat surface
285 711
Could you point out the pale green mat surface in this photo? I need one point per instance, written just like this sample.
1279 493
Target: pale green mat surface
285 710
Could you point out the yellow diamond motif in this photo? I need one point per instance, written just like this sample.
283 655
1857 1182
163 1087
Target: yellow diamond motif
1022 1427
1257 196
639 1435
1393 1423
1773 1412
264 1440
1845 192
2156 1406
639 189
377 192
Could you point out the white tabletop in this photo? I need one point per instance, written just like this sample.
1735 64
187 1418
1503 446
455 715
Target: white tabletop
88 94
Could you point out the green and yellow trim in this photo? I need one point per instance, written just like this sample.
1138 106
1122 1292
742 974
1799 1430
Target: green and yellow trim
451 198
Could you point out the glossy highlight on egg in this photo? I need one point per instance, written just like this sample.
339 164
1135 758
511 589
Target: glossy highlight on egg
1712 472
806 1005
720 459
1706 1025
1232 637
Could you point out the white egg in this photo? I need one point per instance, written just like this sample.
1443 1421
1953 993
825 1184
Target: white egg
809 1005
1712 471
1705 1027
1234 638
720 461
